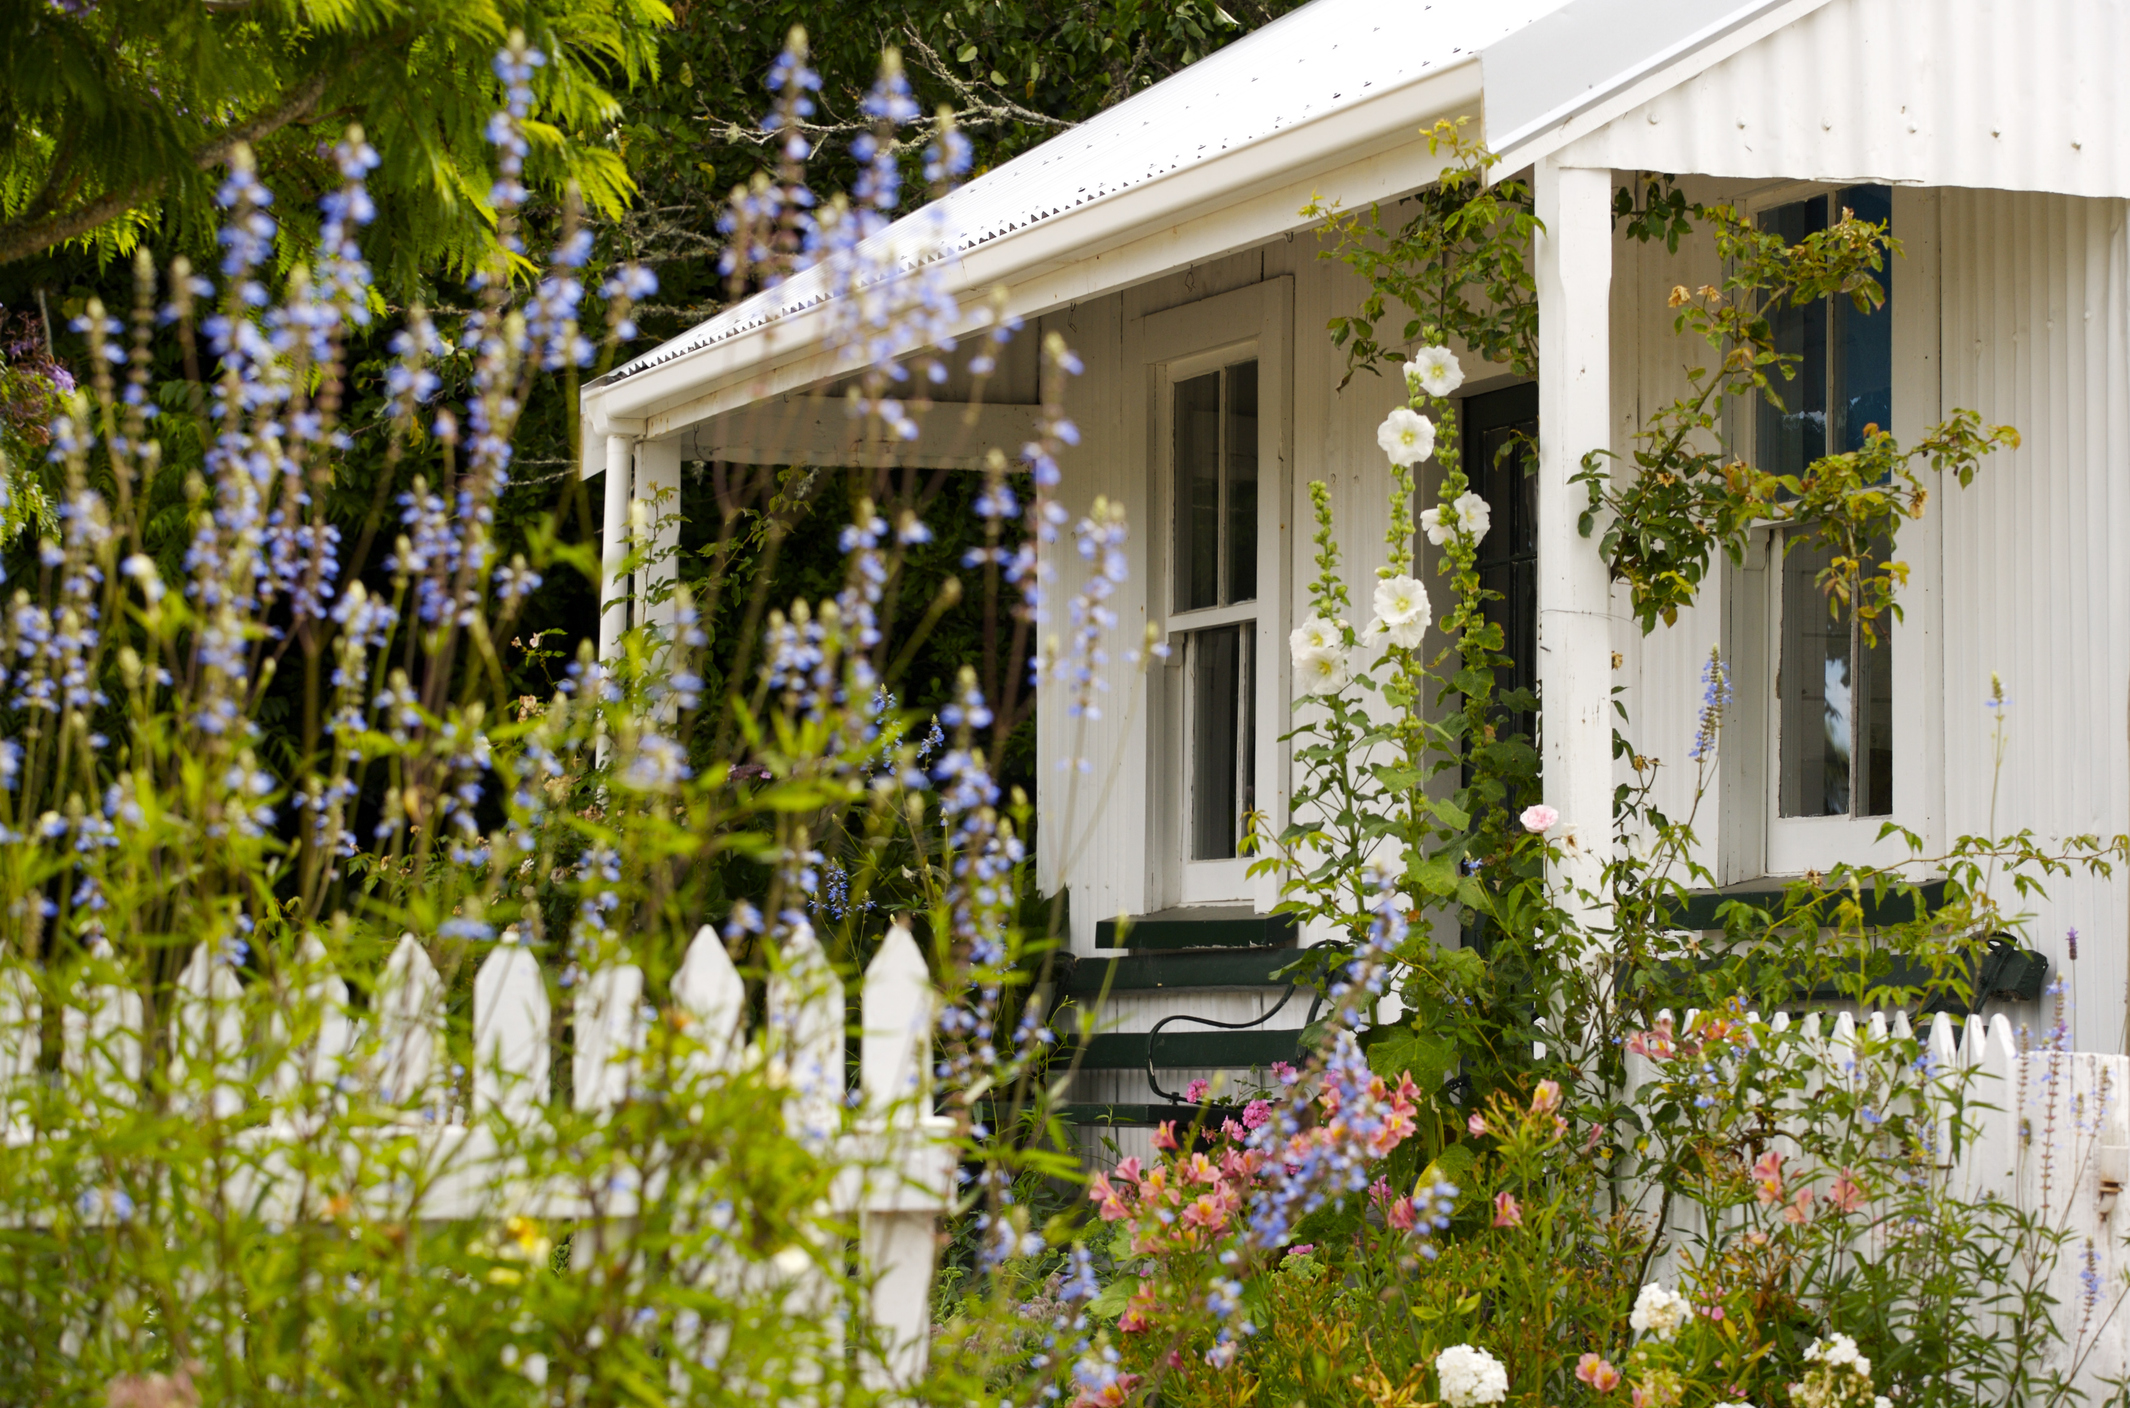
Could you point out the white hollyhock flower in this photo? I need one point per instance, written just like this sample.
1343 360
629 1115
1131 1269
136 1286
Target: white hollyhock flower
1660 1312
1470 1377
1322 671
1316 633
1473 514
1406 436
1380 633
1402 605
1434 370
1467 511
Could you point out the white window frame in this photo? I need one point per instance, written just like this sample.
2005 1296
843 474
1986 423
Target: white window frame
1161 350
1787 846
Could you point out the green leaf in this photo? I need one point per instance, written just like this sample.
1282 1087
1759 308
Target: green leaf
1437 875
1115 1296
1399 1050
1452 1166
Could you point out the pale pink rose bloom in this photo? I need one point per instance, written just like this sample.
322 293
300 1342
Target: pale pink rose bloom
1539 819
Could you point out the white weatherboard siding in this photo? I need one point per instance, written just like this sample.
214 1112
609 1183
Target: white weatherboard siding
1091 817
1661 671
2037 334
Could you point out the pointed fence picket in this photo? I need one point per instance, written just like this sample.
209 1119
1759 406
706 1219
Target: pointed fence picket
2046 1131
895 1161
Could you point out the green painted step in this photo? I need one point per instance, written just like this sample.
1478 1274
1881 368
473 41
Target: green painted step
1133 1051
1205 926
1083 976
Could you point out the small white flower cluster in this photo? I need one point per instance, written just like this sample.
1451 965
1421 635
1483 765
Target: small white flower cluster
1405 435
1322 663
1318 646
1840 1377
1470 1377
1467 511
1659 1312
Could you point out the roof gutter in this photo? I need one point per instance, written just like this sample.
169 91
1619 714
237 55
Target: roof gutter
1013 260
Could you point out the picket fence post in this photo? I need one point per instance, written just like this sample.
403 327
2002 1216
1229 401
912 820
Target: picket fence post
410 1011
511 1015
899 1246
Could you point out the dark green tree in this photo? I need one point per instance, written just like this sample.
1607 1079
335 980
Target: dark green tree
117 116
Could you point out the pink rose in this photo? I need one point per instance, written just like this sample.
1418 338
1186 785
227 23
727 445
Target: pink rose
1538 819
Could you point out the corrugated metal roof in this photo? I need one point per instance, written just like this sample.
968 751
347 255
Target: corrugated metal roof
1988 94
1323 57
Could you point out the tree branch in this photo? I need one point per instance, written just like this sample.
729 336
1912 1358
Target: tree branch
25 238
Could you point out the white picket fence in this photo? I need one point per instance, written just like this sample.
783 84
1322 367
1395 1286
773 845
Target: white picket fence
2044 1130
894 1161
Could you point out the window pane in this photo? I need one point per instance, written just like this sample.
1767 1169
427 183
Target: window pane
1242 482
1874 724
1863 342
1815 686
1198 492
1796 435
1223 739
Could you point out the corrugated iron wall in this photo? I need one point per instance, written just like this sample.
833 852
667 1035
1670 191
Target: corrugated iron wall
2037 554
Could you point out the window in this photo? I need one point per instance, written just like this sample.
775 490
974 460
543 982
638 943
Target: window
1832 726
1836 691
1211 403
1213 428
1844 376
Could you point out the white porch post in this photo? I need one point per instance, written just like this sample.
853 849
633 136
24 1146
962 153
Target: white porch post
658 491
614 544
1574 254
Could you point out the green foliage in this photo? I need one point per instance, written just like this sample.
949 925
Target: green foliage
32 387
1460 264
114 117
1687 496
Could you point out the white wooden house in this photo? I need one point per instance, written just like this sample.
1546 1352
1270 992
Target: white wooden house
1163 240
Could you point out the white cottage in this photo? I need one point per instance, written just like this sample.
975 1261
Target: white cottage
1163 239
